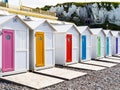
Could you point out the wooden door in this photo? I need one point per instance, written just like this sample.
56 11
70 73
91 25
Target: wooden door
107 46
116 45
69 48
83 47
40 61
98 46
7 50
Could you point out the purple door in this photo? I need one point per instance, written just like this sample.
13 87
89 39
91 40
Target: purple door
116 45
7 50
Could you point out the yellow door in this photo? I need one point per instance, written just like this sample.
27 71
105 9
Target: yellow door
40 49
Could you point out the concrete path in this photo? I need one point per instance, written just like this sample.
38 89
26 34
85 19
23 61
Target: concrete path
86 66
109 60
114 58
118 56
100 63
33 80
61 73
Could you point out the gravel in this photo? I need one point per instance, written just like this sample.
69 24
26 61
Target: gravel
107 79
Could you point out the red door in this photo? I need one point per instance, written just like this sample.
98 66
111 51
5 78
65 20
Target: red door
7 50
69 48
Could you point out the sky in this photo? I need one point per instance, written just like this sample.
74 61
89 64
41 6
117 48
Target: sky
42 3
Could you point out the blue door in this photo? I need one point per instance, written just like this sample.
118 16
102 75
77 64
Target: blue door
116 45
107 46
83 47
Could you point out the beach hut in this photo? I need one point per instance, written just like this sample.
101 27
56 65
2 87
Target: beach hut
42 47
108 43
85 43
66 44
98 43
115 42
14 45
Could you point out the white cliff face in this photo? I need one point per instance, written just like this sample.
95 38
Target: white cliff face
92 11
59 10
65 13
95 11
52 9
71 10
81 12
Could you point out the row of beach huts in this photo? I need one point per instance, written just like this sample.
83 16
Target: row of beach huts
38 44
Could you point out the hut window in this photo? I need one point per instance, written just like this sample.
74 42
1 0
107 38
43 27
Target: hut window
8 37
39 38
68 39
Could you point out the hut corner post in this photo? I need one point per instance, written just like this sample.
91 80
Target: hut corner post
0 72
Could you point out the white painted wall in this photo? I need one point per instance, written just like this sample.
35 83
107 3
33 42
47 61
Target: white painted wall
75 44
31 50
60 48
102 43
21 44
119 44
114 44
0 51
88 45
118 35
94 47
110 44
49 46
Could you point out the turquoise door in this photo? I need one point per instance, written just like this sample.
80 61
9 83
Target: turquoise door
107 46
83 47
98 46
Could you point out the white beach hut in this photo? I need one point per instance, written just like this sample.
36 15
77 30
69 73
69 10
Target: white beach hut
85 43
14 45
108 43
66 44
115 42
42 47
98 40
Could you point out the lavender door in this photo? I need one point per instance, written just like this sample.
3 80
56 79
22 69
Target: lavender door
116 45
7 50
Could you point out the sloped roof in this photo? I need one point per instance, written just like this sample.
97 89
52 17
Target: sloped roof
34 24
4 19
81 29
62 27
96 31
106 32
115 33
54 21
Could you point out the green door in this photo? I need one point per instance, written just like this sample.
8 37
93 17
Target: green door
98 46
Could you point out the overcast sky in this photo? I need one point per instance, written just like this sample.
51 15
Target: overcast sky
42 3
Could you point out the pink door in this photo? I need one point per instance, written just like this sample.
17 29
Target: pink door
7 50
